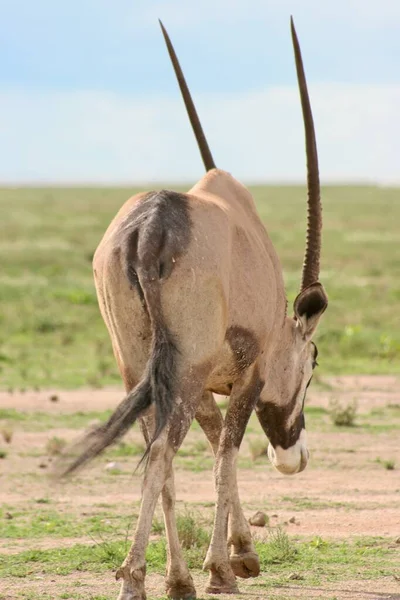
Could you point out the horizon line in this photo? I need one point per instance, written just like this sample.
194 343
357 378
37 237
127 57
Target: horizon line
142 184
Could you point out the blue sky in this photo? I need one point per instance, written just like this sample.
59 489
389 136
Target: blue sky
87 93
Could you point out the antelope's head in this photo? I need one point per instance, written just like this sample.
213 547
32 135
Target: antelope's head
289 372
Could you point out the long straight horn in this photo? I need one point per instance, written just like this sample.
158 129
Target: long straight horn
311 265
191 110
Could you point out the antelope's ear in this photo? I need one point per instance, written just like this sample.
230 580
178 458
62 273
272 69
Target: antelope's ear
308 307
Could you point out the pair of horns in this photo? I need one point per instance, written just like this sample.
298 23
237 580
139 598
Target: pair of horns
311 265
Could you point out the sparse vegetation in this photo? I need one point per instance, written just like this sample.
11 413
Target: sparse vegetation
3 453
316 560
389 465
157 526
103 532
191 534
201 446
280 549
343 415
7 434
44 421
126 449
43 522
55 446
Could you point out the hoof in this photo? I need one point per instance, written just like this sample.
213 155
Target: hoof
181 591
212 589
222 581
129 593
132 587
245 565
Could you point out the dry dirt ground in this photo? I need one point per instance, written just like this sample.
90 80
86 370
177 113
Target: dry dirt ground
351 487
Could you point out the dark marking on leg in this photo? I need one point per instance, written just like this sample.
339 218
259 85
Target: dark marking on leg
245 346
240 409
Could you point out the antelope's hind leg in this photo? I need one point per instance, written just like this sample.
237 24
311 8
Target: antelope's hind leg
178 581
158 471
133 570
244 560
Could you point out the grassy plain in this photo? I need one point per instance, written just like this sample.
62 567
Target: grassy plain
51 332
332 532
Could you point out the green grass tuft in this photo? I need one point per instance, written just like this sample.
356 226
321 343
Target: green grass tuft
316 560
191 535
389 465
343 415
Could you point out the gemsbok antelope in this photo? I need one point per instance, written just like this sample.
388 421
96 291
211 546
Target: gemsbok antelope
192 293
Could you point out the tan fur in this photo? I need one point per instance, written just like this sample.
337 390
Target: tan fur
229 277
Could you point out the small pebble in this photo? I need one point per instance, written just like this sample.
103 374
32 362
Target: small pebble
111 466
292 520
296 576
54 398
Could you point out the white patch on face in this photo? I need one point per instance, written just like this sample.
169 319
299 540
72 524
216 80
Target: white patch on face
294 459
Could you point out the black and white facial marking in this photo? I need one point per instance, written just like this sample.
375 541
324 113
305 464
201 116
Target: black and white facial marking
283 421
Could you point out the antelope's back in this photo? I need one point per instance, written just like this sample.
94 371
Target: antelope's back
227 276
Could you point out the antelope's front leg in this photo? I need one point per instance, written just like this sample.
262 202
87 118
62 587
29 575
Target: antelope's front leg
242 400
244 560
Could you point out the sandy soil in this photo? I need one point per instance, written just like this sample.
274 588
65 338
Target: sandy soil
344 491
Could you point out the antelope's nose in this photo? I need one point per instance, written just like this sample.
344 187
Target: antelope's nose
291 460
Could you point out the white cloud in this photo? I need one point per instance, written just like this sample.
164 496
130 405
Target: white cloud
103 137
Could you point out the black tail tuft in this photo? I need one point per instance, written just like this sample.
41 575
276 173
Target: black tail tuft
157 387
98 439
162 375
